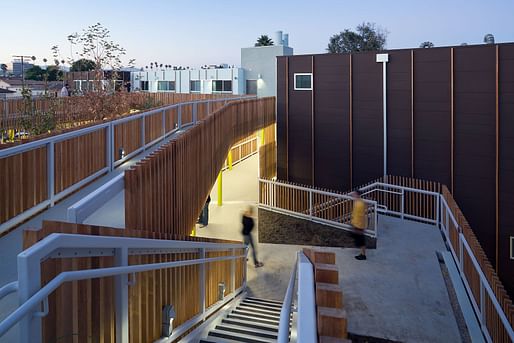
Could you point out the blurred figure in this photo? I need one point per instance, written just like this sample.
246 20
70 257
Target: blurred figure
359 223
64 91
248 224
204 215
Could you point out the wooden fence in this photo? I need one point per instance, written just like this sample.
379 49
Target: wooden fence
84 311
77 111
166 191
268 153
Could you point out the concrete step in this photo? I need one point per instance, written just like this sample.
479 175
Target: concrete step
246 331
262 306
258 310
238 337
251 324
253 319
243 312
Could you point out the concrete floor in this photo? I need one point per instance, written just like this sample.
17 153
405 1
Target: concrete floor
398 293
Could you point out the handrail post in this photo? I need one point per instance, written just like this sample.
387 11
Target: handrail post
50 165
438 209
109 158
121 297
208 107
179 116
195 114
482 304
163 124
29 282
402 206
143 138
202 282
311 210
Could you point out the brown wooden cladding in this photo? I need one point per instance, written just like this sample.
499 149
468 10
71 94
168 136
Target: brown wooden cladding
127 137
166 191
23 181
153 127
84 311
268 154
299 152
506 164
449 114
332 116
79 157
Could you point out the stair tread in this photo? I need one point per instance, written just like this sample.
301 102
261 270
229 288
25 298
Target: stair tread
239 337
253 318
265 300
259 303
261 307
246 330
256 314
258 310
251 323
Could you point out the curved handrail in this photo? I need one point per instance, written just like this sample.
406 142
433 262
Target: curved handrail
285 312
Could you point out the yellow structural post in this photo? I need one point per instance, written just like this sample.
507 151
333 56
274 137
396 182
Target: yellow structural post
193 232
10 134
262 137
229 159
220 189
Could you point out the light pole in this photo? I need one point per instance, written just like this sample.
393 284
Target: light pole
22 57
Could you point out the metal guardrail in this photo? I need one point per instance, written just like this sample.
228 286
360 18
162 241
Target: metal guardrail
307 331
31 294
111 162
442 207
311 209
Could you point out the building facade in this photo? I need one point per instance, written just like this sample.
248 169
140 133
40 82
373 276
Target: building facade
447 116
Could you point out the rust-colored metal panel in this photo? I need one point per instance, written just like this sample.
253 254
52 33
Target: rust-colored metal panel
506 164
399 125
432 115
475 140
331 121
367 118
299 124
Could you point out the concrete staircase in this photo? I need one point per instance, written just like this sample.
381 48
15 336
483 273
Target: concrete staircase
254 320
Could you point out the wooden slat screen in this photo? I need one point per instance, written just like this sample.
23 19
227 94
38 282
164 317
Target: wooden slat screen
268 154
23 182
84 311
166 191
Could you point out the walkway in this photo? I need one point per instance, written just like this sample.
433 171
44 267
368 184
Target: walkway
398 293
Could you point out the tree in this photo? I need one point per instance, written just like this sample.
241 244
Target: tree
366 37
83 65
264 40
426 45
3 67
34 73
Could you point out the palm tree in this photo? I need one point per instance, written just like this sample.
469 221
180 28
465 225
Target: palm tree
426 44
264 40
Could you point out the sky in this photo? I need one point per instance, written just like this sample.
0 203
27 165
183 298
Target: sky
194 33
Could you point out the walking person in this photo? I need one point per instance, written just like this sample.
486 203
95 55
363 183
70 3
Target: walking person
359 224
248 224
203 220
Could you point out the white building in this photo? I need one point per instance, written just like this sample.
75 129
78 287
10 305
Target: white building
257 74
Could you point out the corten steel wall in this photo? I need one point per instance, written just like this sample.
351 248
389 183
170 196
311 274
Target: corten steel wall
166 191
450 119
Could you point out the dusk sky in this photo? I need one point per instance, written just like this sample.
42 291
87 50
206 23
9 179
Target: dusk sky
193 33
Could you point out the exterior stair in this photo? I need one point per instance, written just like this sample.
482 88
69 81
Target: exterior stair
253 320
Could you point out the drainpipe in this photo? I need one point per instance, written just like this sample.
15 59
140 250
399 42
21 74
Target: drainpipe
384 58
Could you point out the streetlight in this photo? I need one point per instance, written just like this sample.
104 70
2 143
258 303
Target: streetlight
22 57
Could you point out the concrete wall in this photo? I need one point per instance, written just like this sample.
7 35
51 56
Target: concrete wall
263 60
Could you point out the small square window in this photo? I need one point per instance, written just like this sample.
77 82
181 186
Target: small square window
303 82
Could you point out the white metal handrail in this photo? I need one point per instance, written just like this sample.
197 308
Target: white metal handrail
309 213
111 161
306 321
442 207
31 294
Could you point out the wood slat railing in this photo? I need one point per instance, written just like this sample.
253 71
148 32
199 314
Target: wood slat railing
166 191
84 311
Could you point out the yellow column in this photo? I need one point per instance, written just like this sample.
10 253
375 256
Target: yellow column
220 189
262 137
229 159
193 232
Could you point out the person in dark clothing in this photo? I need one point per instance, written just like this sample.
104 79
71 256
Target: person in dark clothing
203 220
248 225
